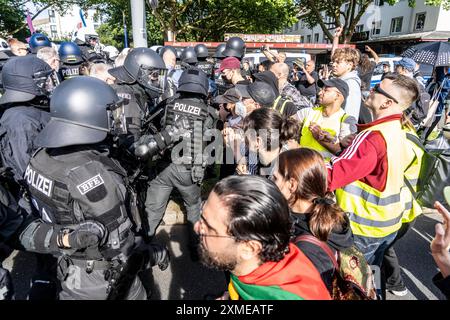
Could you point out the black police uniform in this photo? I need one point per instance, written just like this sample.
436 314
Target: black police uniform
72 185
11 218
185 171
206 67
67 71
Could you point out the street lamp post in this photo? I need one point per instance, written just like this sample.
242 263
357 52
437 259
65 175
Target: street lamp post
138 23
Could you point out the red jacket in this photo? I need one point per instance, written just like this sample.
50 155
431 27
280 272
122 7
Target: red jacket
365 159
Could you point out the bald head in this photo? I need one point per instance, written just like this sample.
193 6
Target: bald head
281 70
170 59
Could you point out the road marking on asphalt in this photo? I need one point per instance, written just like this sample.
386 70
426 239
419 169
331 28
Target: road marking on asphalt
428 239
430 295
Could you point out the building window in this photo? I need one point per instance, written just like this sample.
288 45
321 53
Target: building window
396 24
51 13
302 39
308 38
359 28
52 20
379 2
376 27
420 21
296 26
316 38
53 27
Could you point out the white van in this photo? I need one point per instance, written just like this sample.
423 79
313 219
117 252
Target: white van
255 58
378 71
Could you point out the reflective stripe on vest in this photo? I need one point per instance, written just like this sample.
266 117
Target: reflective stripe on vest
275 104
375 213
412 174
308 140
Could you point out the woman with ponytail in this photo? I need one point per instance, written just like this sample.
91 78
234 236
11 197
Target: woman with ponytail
267 134
301 176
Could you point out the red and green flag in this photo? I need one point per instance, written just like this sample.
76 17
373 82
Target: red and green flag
293 278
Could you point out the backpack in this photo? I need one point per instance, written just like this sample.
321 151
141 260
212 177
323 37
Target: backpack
354 279
434 175
419 109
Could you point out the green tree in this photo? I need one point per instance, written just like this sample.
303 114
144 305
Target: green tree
318 13
11 17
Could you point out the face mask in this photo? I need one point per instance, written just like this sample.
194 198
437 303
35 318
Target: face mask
240 109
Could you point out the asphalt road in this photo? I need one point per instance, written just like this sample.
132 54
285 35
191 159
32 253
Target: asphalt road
185 279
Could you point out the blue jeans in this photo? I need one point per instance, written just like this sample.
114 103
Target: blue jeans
373 248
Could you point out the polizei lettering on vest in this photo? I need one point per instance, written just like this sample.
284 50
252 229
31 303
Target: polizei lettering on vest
187 108
38 181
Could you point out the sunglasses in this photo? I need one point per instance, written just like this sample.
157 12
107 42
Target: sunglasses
378 89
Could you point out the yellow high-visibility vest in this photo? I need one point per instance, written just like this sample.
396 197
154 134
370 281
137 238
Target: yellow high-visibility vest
413 208
375 213
307 139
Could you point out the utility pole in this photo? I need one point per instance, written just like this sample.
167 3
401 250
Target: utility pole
138 23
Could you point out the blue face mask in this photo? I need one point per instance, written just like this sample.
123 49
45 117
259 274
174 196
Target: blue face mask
240 109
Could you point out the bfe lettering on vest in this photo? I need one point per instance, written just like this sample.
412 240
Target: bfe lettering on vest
187 108
38 181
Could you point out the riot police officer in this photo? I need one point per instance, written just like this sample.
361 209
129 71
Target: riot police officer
234 47
140 81
188 58
71 60
76 187
25 107
87 39
202 54
178 169
37 41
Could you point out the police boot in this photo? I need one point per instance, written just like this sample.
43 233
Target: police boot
159 255
43 288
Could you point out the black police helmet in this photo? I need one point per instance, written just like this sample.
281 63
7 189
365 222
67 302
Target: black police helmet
24 79
189 56
219 51
70 52
235 47
193 80
37 41
79 113
202 51
137 60
167 48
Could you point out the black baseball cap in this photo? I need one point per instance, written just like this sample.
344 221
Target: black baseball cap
230 96
261 92
337 83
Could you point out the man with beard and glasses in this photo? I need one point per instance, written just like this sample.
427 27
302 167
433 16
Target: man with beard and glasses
244 228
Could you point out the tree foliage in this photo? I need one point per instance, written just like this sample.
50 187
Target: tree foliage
315 13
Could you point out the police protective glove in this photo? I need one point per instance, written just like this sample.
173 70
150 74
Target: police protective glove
86 234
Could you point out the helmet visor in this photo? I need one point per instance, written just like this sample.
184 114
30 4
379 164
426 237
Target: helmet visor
44 82
118 122
153 79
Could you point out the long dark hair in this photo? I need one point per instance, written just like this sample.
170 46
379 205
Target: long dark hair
257 211
271 121
307 167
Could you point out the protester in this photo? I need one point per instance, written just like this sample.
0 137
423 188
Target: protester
268 134
307 83
301 176
244 228
439 249
372 167
323 127
100 71
231 71
18 48
286 89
